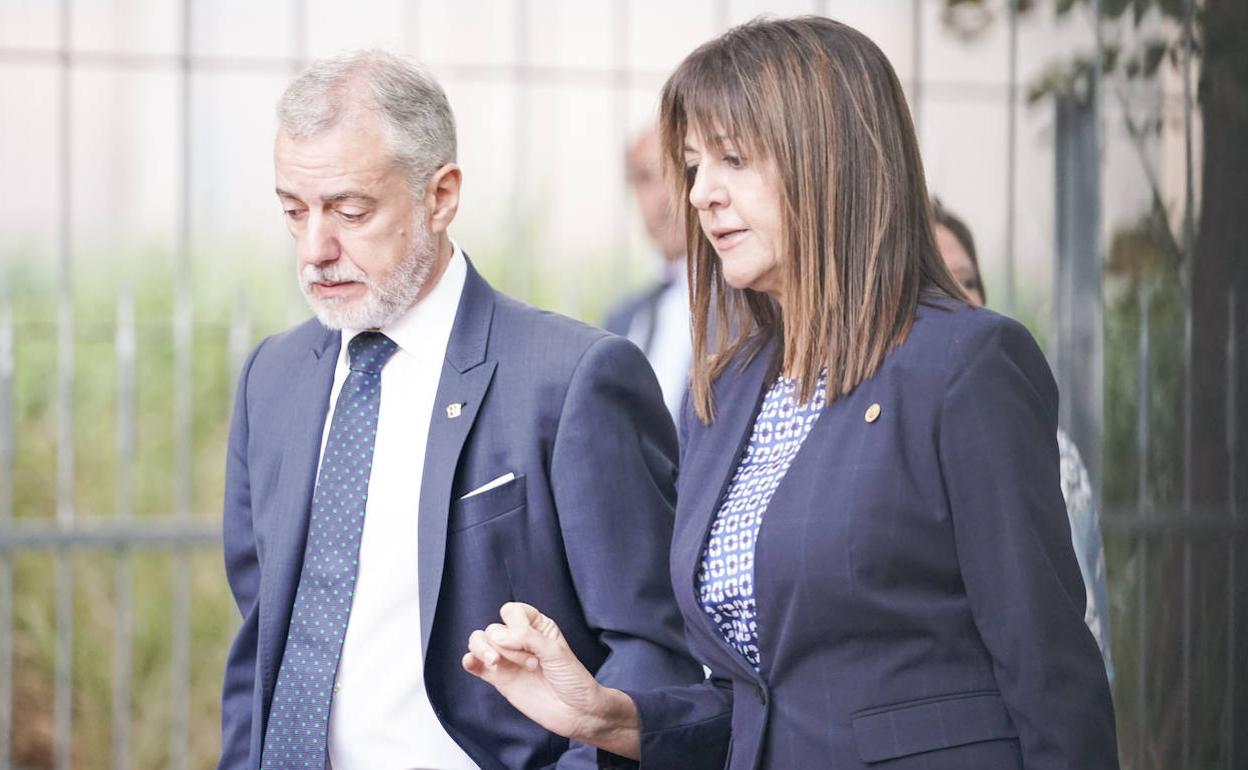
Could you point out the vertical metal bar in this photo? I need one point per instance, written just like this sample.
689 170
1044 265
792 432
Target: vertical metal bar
916 67
299 25
6 515
180 612
1232 545
1143 374
1142 660
1143 439
125 350
411 26
1189 396
1078 340
296 306
620 138
1011 165
520 271
62 700
239 343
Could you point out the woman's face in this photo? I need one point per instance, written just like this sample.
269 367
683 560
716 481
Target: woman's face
959 263
739 208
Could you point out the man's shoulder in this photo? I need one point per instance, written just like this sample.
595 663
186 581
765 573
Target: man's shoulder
272 361
552 347
519 325
295 341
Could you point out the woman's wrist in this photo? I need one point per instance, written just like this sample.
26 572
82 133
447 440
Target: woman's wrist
614 726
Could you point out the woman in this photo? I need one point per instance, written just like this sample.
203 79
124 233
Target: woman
901 592
957 248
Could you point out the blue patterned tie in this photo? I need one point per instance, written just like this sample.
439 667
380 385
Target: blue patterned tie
299 718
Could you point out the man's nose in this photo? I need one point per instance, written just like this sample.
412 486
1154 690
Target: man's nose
319 243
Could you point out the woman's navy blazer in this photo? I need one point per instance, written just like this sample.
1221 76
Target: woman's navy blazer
919 603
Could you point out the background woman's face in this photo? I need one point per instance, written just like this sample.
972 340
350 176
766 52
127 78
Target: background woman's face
739 208
959 263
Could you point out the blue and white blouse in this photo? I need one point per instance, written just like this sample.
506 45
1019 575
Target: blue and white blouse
726 578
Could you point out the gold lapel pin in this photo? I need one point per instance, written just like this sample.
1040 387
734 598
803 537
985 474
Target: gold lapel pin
873 413
454 410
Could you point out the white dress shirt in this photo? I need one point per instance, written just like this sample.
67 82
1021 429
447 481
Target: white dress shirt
670 351
381 718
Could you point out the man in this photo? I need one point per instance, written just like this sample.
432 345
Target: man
424 451
657 319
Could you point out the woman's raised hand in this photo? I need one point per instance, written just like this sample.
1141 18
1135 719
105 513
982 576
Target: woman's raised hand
529 662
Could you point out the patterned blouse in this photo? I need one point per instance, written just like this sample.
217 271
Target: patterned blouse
726 577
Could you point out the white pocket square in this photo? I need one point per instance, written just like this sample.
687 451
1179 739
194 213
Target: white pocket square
498 482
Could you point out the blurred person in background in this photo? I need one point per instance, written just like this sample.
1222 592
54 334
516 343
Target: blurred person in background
957 248
871 551
422 451
657 318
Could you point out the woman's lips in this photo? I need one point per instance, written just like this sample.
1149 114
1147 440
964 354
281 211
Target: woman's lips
727 238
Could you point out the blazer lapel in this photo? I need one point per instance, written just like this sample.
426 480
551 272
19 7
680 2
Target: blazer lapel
312 382
707 471
466 376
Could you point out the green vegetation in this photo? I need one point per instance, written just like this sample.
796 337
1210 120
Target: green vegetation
264 286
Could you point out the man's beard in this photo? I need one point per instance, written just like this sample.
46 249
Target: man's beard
385 299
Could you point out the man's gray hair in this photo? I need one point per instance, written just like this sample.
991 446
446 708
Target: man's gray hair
414 112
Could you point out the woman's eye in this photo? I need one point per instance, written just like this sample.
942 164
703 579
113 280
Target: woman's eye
691 173
733 161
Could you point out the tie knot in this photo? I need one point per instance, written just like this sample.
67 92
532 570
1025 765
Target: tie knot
369 351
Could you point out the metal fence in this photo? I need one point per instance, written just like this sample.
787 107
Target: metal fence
1150 544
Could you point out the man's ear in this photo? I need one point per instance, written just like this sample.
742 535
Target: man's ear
442 197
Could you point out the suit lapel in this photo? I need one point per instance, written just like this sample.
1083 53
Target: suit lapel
466 376
707 471
312 381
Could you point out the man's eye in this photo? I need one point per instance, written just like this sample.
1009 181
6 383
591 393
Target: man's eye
293 213
351 216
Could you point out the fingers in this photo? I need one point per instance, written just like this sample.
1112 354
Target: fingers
523 638
491 656
524 628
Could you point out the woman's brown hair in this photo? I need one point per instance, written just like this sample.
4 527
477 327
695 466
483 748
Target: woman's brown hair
819 101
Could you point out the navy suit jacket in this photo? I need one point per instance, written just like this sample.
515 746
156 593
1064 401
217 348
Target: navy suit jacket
919 603
582 532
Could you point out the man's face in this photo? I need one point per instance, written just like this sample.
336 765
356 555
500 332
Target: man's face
363 244
645 176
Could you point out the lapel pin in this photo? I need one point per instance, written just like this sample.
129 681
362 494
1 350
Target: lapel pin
873 413
454 410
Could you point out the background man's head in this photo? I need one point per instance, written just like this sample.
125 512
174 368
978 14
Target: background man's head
366 174
645 177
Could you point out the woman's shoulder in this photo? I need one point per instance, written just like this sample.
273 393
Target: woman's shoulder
966 331
975 344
